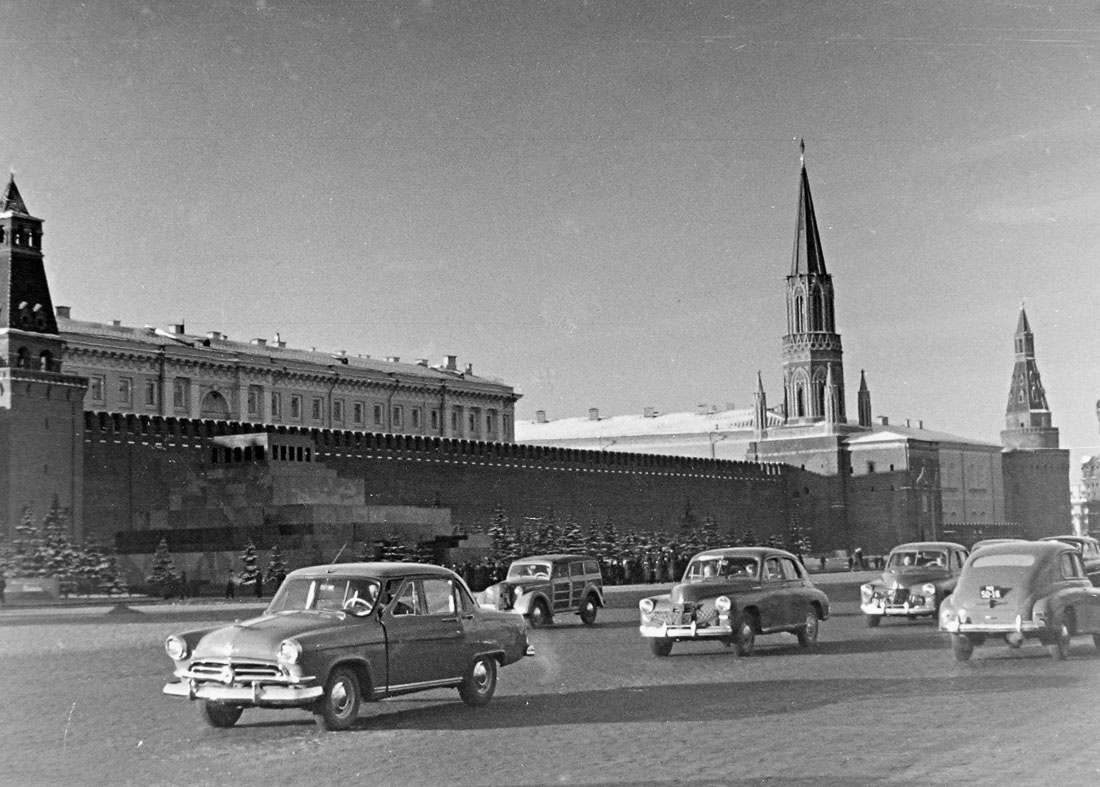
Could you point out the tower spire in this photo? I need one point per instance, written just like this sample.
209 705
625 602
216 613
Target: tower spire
1027 416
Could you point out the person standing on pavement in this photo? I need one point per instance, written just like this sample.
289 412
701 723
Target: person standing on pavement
231 586
3 587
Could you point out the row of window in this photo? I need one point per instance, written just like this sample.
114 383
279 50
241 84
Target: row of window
465 421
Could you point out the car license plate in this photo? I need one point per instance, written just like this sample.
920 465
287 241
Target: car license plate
992 593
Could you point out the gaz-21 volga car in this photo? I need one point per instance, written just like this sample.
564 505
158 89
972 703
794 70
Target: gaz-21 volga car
542 586
732 595
1019 591
917 578
339 634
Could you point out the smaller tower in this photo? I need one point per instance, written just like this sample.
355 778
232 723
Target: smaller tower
1027 417
759 410
863 401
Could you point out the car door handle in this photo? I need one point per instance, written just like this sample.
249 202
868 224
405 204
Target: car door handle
450 620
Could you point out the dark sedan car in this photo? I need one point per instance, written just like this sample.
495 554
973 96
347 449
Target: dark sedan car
918 577
732 595
339 634
1019 591
1089 548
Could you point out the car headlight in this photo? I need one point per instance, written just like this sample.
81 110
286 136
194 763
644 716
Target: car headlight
646 605
176 648
289 652
722 604
928 589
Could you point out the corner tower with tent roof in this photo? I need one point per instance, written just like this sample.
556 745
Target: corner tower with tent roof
1036 470
41 409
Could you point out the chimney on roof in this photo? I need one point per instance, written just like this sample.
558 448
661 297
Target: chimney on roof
215 335
178 329
116 323
649 412
393 358
882 419
451 363
540 416
593 414
421 361
701 409
278 340
469 369
260 342
920 424
63 311
906 423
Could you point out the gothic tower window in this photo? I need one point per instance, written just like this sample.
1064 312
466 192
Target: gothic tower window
817 318
799 311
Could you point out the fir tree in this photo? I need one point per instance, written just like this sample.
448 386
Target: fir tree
711 537
502 542
163 576
276 568
572 538
250 571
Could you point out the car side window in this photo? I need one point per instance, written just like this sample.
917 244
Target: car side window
438 598
576 570
561 570
462 600
1071 566
957 559
790 570
408 600
772 569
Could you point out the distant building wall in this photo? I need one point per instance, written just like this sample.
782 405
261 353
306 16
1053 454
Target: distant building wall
146 474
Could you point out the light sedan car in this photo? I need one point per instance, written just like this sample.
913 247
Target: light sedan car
917 578
732 595
1019 591
336 635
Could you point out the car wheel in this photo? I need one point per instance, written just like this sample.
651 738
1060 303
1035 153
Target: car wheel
746 634
339 705
539 615
480 682
1059 645
588 611
660 647
962 646
873 621
218 714
807 634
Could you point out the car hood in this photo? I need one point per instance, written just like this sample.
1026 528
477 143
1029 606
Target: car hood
260 637
907 576
697 591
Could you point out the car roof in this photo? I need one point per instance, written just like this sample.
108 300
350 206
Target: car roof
742 552
1071 539
928 545
552 558
381 570
1037 548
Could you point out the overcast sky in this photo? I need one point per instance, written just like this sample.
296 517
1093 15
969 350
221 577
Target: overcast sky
594 202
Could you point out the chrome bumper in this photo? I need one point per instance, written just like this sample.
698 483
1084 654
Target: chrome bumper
899 610
256 694
692 631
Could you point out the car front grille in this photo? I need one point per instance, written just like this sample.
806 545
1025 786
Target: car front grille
236 671
897 596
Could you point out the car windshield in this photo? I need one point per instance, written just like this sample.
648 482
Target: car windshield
524 570
705 568
917 557
356 595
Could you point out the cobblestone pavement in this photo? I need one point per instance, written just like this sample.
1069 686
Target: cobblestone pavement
82 704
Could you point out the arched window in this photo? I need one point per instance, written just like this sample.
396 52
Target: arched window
215 407
45 361
799 314
22 358
817 305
